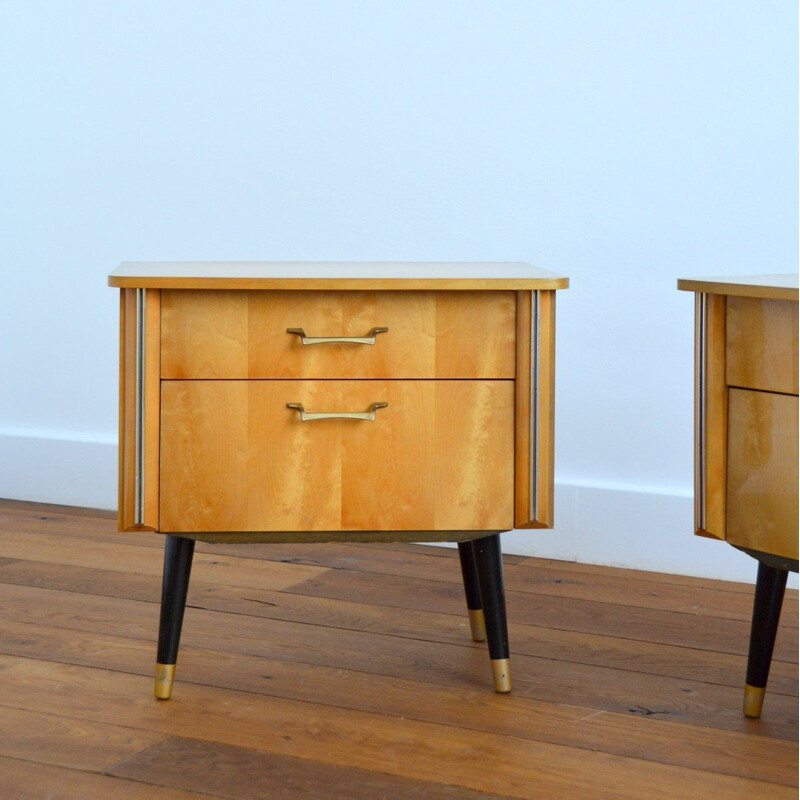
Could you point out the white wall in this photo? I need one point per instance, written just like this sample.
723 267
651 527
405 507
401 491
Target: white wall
624 143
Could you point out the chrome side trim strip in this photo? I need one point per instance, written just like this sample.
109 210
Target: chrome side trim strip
533 509
138 491
700 382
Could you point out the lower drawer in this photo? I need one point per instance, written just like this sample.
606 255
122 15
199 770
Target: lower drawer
762 472
439 456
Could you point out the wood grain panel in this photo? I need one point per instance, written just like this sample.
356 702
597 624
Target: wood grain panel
407 350
204 334
236 459
232 334
535 409
762 344
475 334
204 438
711 420
763 472
474 455
128 412
294 477
389 468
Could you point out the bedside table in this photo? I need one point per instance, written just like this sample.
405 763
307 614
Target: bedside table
311 402
746 471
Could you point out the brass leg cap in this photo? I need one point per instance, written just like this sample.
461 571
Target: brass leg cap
753 700
477 624
501 672
165 677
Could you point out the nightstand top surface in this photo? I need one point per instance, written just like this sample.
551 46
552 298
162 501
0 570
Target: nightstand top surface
774 287
331 275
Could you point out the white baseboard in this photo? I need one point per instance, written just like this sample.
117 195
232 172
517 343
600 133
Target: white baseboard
633 528
614 526
68 470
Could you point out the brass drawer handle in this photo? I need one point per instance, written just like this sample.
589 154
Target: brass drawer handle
368 339
308 416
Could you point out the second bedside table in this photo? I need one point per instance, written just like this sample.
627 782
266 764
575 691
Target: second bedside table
746 471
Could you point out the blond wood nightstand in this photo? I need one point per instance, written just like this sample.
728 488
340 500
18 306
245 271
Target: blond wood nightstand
337 402
746 470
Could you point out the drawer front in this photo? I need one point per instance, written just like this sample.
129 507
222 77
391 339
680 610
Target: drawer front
440 456
762 473
243 334
761 344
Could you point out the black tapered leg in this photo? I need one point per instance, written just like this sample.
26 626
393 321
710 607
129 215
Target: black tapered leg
770 587
178 554
489 566
474 608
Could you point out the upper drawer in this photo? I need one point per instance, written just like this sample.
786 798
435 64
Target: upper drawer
243 334
761 344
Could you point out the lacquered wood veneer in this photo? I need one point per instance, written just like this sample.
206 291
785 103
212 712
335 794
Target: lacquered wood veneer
243 334
440 456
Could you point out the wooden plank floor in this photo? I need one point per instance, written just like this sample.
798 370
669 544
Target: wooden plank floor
347 671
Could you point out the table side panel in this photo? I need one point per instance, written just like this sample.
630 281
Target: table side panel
535 409
711 416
